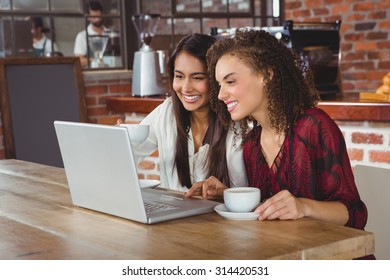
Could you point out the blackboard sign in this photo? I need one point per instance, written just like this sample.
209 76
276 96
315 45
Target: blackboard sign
34 93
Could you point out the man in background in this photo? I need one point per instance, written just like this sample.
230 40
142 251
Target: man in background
95 27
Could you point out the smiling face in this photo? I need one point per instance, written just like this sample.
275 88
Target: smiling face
242 90
190 82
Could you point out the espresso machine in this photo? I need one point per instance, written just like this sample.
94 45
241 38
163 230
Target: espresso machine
318 44
147 79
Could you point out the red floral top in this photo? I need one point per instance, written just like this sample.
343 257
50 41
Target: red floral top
312 163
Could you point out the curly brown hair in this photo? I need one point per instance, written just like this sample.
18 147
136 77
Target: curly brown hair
289 91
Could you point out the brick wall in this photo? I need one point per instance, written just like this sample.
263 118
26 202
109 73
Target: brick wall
367 142
364 37
101 85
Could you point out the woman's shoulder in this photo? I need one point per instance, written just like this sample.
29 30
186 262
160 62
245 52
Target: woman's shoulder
315 111
315 119
165 107
162 113
47 39
315 114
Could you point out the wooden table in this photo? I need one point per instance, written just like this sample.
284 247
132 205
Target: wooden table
38 221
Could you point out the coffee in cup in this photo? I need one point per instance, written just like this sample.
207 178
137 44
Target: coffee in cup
241 199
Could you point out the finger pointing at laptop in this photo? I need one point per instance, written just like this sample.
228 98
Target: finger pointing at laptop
210 188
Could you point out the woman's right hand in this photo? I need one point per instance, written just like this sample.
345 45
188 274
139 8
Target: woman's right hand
211 189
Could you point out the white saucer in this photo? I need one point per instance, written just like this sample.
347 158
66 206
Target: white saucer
224 212
149 183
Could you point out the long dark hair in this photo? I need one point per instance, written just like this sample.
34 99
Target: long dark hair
197 46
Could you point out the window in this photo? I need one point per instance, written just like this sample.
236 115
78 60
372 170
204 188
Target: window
62 20
180 17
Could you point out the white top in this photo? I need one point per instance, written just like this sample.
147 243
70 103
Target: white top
80 43
162 136
41 43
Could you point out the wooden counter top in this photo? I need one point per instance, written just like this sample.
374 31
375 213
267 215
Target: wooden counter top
133 104
343 109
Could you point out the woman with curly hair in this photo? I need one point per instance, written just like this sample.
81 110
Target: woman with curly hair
295 153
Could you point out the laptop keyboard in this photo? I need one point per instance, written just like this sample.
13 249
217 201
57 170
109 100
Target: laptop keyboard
155 207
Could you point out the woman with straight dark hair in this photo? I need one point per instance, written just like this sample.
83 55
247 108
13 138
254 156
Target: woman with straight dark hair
190 139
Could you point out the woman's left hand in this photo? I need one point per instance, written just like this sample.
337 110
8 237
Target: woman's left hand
283 206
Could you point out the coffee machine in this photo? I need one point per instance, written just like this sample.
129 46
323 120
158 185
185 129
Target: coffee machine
318 44
146 70
98 44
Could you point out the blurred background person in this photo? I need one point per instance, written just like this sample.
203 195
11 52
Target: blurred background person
95 27
43 46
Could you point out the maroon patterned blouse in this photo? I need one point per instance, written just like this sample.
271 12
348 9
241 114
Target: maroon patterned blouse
312 163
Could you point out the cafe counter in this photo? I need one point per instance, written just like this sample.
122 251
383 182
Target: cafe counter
342 109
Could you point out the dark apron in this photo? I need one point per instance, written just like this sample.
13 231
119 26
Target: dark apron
40 52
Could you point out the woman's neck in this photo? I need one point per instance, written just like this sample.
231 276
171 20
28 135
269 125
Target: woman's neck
199 125
200 118
271 142
263 120
37 38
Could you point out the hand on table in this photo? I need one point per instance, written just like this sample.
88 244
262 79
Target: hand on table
283 206
210 188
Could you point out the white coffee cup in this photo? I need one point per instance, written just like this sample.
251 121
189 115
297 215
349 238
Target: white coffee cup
241 199
137 132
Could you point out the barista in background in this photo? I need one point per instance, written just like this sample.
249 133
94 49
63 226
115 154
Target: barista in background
95 27
42 45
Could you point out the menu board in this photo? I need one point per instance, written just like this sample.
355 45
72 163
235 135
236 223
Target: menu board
34 93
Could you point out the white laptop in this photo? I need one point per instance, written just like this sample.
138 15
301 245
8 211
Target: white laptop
102 176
